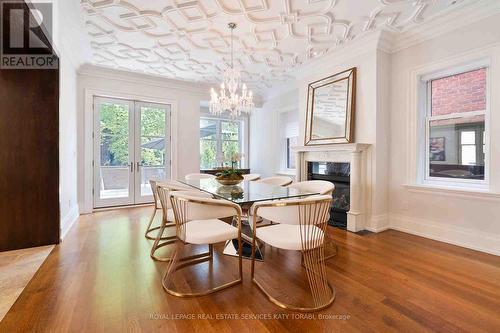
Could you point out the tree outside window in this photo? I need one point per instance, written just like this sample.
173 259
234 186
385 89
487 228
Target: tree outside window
220 139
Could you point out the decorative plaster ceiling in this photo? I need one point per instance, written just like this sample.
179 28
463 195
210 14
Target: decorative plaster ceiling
189 40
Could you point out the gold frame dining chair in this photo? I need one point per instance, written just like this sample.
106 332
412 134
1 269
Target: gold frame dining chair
157 206
197 221
321 187
167 220
301 226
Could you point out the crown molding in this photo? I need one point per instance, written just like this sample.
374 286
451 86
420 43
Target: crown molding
142 78
365 44
199 88
469 12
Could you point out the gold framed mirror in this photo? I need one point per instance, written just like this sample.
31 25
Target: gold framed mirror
330 109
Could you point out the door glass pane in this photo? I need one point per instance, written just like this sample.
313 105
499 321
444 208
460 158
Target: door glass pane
153 147
208 144
114 143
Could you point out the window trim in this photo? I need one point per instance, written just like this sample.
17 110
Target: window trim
243 134
424 119
288 151
280 142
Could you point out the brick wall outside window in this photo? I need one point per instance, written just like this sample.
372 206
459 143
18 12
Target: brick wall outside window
459 93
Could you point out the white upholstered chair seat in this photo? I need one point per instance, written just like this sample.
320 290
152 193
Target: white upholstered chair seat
208 232
196 176
321 187
277 180
288 237
251 177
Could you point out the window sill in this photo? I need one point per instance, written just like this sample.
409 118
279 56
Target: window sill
454 191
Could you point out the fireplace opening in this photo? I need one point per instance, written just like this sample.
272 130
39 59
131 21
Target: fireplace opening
340 175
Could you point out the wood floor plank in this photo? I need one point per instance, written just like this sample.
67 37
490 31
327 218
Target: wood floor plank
101 279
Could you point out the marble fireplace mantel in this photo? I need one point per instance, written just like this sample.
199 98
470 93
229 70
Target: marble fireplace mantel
353 153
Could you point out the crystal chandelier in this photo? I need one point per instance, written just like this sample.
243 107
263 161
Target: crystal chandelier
228 98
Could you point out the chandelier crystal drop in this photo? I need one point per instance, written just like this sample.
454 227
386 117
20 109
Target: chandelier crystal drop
229 99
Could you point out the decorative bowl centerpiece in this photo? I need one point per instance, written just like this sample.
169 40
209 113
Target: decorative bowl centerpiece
230 192
231 176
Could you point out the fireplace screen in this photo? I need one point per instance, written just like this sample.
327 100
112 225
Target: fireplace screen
339 175
341 198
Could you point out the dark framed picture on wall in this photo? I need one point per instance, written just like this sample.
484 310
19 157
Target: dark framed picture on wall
437 149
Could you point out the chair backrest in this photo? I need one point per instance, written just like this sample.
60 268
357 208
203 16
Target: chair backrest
315 186
312 210
277 180
189 205
194 176
251 177
154 189
163 190
173 184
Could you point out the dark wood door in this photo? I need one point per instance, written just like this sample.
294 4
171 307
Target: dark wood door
29 158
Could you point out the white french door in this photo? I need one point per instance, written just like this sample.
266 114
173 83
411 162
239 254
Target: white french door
131 146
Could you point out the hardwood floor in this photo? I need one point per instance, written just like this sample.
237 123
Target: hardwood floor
16 270
101 279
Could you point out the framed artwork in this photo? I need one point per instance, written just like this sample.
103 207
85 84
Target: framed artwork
437 150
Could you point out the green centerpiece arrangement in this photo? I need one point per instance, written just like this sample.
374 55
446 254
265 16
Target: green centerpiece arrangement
231 176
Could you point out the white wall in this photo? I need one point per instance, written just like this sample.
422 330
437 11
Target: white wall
383 110
471 220
371 118
72 47
184 97
264 133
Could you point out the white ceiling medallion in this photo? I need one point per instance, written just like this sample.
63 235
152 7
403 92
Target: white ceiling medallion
229 98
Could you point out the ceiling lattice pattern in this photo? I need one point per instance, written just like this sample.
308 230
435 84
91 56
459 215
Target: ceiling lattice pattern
189 40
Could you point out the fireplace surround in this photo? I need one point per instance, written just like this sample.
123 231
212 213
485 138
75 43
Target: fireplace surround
339 174
356 154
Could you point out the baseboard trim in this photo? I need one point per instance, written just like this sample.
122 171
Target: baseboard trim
378 223
464 237
69 221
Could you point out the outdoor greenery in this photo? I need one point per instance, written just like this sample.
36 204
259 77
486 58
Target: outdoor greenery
152 129
219 142
115 135
219 139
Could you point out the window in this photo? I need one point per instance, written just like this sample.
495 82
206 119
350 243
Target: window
455 126
220 140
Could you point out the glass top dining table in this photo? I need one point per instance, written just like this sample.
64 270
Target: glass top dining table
247 192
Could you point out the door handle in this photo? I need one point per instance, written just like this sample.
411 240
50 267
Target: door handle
131 167
138 166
